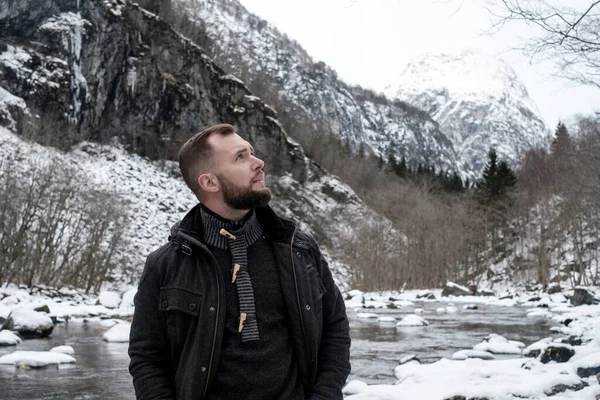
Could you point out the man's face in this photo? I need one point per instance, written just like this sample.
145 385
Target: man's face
239 172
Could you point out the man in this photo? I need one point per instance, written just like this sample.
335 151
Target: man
239 304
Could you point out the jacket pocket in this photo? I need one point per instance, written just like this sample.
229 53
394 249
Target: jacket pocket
180 299
318 290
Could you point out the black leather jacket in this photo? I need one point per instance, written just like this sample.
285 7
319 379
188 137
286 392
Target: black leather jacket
178 323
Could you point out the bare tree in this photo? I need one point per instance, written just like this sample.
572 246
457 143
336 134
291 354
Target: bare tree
567 35
54 229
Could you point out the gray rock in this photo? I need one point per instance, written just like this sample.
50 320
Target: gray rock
32 330
44 309
453 290
586 372
559 354
561 388
583 296
555 288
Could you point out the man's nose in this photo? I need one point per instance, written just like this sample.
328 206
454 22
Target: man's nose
258 163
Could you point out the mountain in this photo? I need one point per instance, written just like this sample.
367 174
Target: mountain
478 101
253 49
115 74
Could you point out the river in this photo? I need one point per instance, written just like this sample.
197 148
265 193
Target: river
101 369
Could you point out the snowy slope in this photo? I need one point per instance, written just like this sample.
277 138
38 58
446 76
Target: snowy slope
478 101
156 197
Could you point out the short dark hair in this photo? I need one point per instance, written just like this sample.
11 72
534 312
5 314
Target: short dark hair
195 155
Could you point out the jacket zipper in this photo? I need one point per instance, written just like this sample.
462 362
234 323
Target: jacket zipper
298 296
218 309
212 351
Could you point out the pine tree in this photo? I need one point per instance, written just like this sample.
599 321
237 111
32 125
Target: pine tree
561 140
498 177
506 177
456 183
361 150
488 185
401 168
392 163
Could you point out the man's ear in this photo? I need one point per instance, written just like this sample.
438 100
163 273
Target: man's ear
209 183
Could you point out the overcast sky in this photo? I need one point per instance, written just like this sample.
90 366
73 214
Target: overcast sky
368 42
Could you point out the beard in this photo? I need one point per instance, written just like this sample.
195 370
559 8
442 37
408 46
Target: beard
243 198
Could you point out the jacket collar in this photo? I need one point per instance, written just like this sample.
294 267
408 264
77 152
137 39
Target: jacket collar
190 228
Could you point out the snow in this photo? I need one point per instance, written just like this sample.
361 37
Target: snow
589 361
367 316
126 307
118 333
354 387
109 299
386 320
8 101
472 378
36 358
497 344
539 313
478 100
455 285
7 338
540 345
464 354
71 27
63 349
502 379
412 320
26 319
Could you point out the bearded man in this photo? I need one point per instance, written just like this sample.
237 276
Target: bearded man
239 304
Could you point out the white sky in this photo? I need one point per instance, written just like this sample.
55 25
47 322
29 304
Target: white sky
368 42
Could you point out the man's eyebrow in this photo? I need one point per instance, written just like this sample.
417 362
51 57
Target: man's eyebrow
243 149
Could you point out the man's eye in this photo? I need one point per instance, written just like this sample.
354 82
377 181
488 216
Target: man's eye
238 157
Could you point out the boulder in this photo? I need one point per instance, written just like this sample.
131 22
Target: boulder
485 292
583 296
452 289
409 358
563 388
554 288
109 299
44 309
7 338
588 365
426 295
557 353
29 324
412 320
573 340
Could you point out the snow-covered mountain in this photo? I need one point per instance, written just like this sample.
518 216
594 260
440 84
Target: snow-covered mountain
479 102
471 101
357 115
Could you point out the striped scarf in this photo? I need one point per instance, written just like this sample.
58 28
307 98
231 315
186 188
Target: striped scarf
236 237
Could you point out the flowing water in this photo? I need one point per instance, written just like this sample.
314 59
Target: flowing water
101 369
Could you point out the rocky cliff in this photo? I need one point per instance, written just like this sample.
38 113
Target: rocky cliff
354 114
110 68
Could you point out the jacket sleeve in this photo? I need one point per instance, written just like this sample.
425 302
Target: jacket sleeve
333 364
148 340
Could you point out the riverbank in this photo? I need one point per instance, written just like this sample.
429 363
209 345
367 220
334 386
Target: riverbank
508 374
562 365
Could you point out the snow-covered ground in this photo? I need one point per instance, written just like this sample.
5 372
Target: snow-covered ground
483 371
480 373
